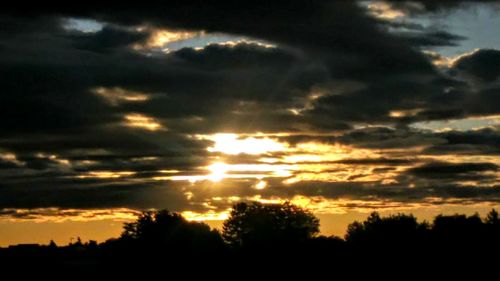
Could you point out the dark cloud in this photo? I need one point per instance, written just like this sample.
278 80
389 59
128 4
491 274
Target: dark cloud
483 141
457 171
61 214
482 64
430 6
432 38
317 27
375 161
333 75
7 164
322 50
475 142
383 137
97 196
108 39
395 193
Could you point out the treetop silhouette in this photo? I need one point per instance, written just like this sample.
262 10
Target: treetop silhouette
251 224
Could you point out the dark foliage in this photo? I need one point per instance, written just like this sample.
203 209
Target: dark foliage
170 230
279 236
395 231
163 235
257 224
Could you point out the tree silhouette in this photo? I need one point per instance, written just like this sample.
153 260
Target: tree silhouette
393 231
492 218
252 224
52 244
162 230
492 224
276 235
459 233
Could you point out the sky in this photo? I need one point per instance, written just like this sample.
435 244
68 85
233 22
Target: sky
342 107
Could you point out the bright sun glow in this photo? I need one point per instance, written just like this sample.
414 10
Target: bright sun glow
231 144
160 38
217 171
260 185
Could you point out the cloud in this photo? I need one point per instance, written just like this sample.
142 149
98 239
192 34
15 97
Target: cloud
432 38
484 141
456 171
430 6
107 39
384 137
92 118
481 64
62 215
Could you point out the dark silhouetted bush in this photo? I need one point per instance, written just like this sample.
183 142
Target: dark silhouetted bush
166 232
257 224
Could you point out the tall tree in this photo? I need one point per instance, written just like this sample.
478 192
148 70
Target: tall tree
255 223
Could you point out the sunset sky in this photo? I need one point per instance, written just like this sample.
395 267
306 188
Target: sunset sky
342 107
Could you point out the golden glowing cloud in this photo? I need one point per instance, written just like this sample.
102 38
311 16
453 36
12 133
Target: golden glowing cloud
217 171
447 62
405 113
313 161
64 215
142 121
308 161
321 152
53 157
116 95
10 157
220 170
207 216
260 185
384 11
105 174
232 43
162 37
231 144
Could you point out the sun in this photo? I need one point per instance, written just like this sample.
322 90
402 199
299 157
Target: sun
218 171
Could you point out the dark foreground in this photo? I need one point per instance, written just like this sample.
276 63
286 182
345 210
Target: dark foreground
277 240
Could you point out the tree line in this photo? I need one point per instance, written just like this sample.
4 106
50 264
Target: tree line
272 234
